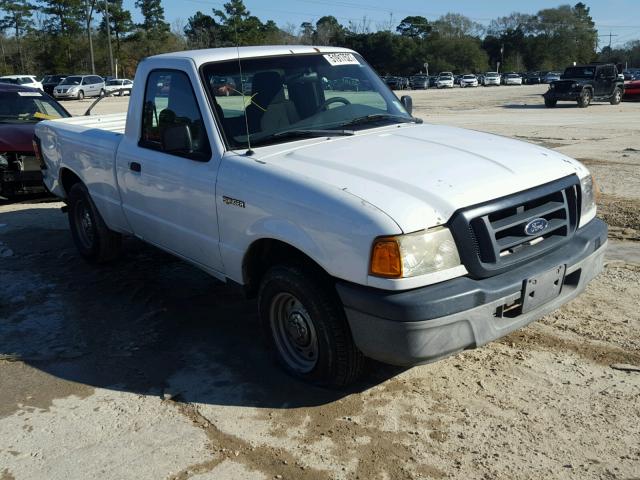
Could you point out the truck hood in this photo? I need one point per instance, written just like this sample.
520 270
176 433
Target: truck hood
16 137
421 174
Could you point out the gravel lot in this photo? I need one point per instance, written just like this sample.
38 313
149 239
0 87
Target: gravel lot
149 369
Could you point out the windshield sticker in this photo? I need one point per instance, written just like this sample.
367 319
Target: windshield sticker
30 94
336 59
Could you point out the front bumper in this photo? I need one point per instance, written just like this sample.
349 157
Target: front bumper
553 95
65 95
426 324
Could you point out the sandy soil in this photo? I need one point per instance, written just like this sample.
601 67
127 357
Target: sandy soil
149 369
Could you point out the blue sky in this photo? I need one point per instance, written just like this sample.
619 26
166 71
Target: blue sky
621 17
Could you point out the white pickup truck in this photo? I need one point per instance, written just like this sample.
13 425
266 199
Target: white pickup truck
295 172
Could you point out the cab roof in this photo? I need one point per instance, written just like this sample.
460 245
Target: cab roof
206 55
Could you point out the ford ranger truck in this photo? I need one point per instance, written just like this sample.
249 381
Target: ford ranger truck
362 231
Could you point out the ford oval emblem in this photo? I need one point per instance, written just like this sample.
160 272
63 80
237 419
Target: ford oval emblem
536 226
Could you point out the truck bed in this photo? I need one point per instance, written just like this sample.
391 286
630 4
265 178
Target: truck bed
114 122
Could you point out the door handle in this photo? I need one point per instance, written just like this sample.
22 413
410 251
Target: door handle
135 166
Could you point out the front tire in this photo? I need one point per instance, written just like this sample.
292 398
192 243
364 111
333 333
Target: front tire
616 98
80 95
93 239
550 103
307 328
584 100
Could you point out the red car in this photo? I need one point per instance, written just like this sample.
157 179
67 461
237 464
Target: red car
20 109
632 90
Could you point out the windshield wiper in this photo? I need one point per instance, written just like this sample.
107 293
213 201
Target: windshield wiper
313 133
376 117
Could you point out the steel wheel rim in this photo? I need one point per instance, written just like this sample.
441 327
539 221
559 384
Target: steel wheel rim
84 224
618 95
293 332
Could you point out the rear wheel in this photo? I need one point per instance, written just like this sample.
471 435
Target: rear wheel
616 98
584 100
550 103
93 239
307 327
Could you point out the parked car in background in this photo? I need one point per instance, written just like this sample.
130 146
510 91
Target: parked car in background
551 77
49 82
584 83
512 79
20 109
491 78
121 86
532 78
396 83
632 89
22 80
80 86
445 80
432 80
456 79
419 82
468 80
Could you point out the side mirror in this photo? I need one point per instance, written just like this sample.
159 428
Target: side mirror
407 102
177 138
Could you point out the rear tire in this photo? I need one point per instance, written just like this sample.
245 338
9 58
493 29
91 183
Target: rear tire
93 239
616 98
584 100
550 103
307 328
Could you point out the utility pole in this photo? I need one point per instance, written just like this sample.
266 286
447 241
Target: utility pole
88 5
106 16
610 35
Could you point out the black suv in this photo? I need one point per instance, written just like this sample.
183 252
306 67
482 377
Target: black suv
584 83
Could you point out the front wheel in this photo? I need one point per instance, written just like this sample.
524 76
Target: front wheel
616 98
80 95
584 100
93 239
307 327
550 103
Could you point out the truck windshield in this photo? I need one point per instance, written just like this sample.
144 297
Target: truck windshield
579 72
28 107
298 93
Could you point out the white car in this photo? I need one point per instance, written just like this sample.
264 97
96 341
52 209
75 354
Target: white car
361 231
512 79
445 80
468 81
122 86
491 78
22 80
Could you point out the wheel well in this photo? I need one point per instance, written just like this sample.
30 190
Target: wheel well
267 252
68 179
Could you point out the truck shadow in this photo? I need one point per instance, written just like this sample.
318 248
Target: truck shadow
541 106
147 324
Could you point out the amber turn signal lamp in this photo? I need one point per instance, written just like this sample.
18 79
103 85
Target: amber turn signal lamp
385 258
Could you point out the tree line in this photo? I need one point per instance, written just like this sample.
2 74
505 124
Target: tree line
70 36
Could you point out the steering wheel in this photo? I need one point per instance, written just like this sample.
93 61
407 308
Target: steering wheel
328 102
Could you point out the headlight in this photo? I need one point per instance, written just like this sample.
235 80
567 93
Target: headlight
589 193
72 89
414 254
551 86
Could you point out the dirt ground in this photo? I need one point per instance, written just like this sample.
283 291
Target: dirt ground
150 369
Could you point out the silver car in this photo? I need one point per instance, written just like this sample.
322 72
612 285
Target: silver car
80 86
